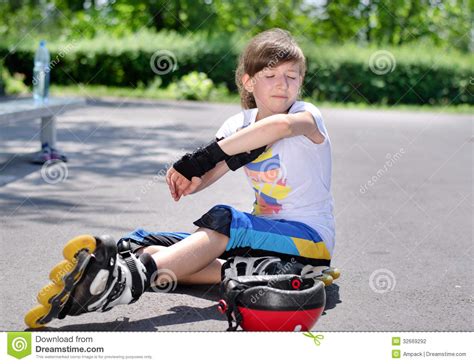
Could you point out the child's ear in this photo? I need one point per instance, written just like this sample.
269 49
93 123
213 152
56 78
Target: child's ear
247 82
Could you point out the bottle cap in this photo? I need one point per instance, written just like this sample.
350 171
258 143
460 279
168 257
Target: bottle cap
42 43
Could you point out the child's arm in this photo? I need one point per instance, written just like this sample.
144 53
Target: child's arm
303 123
209 178
271 129
262 133
180 186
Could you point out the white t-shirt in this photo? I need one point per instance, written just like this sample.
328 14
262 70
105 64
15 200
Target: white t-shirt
292 178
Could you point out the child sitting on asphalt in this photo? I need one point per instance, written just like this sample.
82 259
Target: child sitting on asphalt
282 146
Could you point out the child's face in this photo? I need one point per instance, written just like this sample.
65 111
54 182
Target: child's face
275 89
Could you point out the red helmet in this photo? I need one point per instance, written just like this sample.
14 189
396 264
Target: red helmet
276 302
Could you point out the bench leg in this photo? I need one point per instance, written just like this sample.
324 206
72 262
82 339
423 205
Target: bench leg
48 131
48 136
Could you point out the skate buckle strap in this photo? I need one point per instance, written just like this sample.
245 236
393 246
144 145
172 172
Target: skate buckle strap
137 284
59 308
116 291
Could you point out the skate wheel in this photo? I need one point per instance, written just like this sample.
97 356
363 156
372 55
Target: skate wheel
327 279
47 292
60 270
34 315
333 272
74 246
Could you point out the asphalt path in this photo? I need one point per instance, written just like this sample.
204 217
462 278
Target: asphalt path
402 183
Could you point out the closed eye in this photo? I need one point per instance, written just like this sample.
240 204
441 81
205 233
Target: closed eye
269 76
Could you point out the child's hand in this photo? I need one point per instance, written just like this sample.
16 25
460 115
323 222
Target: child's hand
195 183
180 185
175 181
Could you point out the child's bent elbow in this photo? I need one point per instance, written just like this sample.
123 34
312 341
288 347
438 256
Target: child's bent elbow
284 128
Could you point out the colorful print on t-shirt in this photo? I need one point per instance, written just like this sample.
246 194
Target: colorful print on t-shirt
268 178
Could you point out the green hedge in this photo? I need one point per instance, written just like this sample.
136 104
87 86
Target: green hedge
414 76
2 83
335 73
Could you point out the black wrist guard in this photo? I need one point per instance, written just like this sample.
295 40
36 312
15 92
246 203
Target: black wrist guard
234 162
200 161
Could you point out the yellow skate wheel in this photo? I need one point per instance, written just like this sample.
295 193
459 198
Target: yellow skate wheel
74 246
333 272
327 279
60 270
47 292
35 314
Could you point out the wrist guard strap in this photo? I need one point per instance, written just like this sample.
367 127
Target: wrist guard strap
234 162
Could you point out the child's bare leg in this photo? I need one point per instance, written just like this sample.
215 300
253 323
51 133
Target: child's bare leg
191 255
209 275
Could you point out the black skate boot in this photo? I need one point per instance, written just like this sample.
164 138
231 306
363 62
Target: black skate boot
97 275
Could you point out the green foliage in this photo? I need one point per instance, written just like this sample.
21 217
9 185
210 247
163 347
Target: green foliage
377 22
127 61
411 76
193 86
14 85
63 19
2 84
112 43
420 75
11 85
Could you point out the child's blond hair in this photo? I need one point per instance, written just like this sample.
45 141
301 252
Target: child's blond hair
266 50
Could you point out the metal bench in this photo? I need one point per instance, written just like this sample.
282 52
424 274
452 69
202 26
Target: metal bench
26 109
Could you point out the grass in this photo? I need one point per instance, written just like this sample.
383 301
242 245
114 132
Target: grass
97 91
147 93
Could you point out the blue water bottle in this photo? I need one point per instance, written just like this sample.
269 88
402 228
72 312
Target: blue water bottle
41 74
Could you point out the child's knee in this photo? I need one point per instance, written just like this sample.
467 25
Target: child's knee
152 249
215 236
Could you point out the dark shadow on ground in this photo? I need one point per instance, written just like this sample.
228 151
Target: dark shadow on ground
179 314
101 140
16 166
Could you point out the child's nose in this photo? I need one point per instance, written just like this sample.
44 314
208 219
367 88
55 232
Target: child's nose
282 82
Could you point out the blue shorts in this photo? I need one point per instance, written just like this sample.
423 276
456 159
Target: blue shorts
251 235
